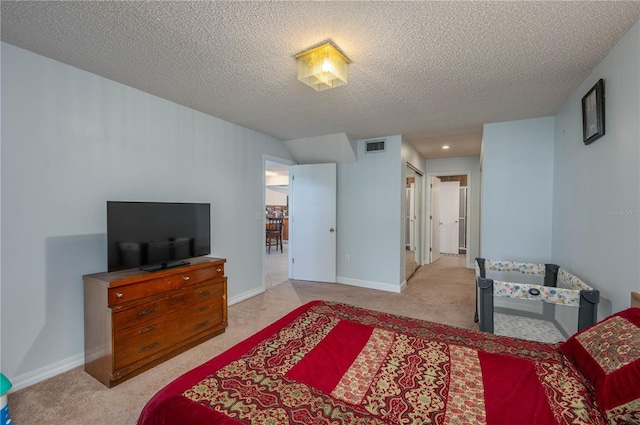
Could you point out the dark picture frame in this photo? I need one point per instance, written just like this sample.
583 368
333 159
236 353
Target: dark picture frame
593 113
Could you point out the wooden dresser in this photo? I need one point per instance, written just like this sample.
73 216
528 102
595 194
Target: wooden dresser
134 320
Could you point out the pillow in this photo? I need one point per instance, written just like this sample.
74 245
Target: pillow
608 355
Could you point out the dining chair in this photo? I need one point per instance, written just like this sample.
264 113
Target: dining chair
273 230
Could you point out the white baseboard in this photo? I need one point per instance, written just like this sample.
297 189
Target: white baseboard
46 372
67 364
371 284
245 296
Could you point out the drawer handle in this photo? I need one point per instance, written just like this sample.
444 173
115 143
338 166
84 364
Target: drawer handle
145 312
118 295
219 270
149 347
202 294
185 278
201 309
149 329
201 325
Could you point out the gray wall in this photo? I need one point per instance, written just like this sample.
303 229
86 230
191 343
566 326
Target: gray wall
590 225
517 190
369 218
596 200
370 215
452 166
71 141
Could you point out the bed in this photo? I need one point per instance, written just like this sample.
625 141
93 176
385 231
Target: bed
333 363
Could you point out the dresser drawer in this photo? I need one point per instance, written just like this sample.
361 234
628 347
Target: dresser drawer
153 336
202 317
138 342
125 293
182 298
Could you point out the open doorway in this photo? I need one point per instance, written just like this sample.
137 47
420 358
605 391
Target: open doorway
453 214
449 212
276 210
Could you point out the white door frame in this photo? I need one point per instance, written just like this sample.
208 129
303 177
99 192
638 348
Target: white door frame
470 211
260 216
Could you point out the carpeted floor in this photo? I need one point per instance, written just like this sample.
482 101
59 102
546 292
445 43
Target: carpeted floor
442 292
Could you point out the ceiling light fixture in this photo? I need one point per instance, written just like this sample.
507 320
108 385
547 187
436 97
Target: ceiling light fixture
445 147
323 67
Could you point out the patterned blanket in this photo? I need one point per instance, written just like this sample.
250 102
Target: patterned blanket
331 363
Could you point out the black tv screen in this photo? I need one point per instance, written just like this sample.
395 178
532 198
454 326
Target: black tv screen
156 235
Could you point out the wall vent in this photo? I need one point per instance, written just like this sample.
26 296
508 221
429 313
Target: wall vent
374 146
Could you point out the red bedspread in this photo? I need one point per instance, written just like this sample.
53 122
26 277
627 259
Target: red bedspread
331 363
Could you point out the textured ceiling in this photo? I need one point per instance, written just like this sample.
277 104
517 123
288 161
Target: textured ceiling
431 71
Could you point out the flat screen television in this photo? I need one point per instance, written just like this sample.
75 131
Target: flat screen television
156 235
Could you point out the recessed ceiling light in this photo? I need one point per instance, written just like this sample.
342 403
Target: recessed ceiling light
445 147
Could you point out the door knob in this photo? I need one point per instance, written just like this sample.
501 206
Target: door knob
332 230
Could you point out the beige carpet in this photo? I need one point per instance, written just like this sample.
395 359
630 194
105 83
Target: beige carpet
441 292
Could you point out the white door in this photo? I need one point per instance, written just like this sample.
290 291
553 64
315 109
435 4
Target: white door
449 215
410 230
312 222
435 220
410 217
